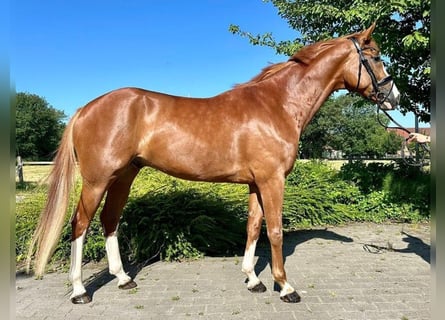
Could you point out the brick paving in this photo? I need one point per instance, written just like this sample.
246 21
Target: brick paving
356 271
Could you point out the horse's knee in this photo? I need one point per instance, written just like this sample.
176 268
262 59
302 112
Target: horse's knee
275 236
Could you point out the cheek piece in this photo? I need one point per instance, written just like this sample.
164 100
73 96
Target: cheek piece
380 96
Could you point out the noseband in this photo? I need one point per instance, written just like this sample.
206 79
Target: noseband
379 95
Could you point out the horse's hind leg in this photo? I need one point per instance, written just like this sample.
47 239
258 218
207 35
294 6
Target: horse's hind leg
90 198
254 222
116 198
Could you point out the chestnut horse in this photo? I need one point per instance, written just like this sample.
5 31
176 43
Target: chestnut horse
247 135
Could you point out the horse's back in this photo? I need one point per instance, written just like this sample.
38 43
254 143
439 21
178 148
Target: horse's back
223 138
150 128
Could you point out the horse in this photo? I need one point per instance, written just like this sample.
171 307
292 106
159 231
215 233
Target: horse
248 134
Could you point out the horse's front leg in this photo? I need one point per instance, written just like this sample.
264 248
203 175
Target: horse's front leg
272 192
254 222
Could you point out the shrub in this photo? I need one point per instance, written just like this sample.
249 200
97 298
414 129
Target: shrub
400 183
409 185
367 177
315 195
375 207
182 220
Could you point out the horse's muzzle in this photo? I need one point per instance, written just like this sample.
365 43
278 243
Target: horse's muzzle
390 99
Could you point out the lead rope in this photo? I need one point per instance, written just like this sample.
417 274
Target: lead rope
410 158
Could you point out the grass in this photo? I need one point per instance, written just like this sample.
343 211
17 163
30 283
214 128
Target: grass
35 174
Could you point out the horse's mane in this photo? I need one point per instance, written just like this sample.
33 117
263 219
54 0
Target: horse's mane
266 73
304 56
311 52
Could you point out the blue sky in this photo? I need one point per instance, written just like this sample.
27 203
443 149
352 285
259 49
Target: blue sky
70 52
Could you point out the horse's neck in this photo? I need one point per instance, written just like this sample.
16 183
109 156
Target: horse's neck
308 87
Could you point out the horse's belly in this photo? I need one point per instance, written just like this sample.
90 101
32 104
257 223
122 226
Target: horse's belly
193 162
201 168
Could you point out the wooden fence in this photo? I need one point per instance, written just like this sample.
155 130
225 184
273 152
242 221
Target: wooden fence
20 163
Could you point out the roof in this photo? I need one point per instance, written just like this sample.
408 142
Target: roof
400 132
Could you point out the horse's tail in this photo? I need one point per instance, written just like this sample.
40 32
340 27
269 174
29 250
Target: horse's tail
61 181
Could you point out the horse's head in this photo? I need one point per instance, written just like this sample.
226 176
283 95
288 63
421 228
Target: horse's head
366 74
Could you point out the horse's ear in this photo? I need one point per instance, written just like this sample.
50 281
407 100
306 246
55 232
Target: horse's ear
367 34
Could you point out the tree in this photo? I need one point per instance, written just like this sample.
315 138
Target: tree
39 127
322 131
344 124
403 32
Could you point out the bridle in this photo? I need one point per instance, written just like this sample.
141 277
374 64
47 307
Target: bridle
381 96
363 61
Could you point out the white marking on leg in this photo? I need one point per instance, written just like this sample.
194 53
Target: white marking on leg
76 266
287 288
248 265
114 260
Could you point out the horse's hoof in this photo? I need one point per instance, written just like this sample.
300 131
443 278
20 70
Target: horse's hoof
129 285
81 299
292 297
260 287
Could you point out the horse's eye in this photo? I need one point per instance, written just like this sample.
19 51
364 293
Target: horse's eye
377 58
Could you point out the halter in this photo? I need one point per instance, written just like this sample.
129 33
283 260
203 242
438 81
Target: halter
380 96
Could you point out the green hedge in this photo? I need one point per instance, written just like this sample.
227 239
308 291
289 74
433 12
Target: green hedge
181 220
395 184
175 219
315 196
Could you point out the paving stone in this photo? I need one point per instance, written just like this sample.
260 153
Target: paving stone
355 271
